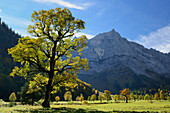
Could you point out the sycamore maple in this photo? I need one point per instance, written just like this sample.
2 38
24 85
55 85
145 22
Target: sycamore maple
125 93
50 57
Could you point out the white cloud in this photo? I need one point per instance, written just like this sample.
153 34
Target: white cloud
64 3
0 10
87 35
159 39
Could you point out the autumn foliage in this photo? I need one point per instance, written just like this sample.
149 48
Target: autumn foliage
125 93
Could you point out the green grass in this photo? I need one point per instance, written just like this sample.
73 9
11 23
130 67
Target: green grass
94 107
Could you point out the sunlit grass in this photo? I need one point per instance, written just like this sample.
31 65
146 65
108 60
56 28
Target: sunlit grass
74 106
122 106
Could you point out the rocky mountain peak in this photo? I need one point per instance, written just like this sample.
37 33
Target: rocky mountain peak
111 55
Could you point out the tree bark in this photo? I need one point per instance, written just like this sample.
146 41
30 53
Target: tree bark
126 98
46 103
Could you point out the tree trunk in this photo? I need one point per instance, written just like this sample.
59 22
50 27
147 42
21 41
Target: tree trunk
126 98
46 103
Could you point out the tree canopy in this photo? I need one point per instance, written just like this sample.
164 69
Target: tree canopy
51 58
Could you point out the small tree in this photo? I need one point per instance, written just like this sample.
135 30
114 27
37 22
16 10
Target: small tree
125 93
107 95
57 98
93 97
89 98
132 96
12 97
100 97
81 97
156 96
146 97
140 97
68 96
162 95
115 97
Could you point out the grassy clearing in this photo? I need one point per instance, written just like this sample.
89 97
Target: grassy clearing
138 106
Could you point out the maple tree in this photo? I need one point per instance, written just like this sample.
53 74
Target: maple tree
51 58
125 93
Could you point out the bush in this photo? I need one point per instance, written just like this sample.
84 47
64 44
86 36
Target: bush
85 102
57 98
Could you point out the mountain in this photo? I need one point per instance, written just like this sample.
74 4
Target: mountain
116 63
8 38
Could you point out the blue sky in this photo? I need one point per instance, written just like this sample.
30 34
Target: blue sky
144 21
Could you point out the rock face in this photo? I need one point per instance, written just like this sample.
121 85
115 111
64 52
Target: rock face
117 63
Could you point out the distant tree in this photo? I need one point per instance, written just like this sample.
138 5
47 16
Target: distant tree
156 96
132 96
93 97
48 56
146 97
12 97
125 93
89 98
151 97
119 97
140 97
57 98
107 95
68 96
100 97
162 95
116 97
81 97
135 97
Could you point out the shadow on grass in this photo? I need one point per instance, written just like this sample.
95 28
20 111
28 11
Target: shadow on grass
73 110
61 110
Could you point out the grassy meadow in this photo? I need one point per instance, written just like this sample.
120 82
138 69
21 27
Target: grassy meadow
93 107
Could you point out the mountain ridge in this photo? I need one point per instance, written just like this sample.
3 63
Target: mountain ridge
109 50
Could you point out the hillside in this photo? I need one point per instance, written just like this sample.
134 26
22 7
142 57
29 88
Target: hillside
116 63
8 38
